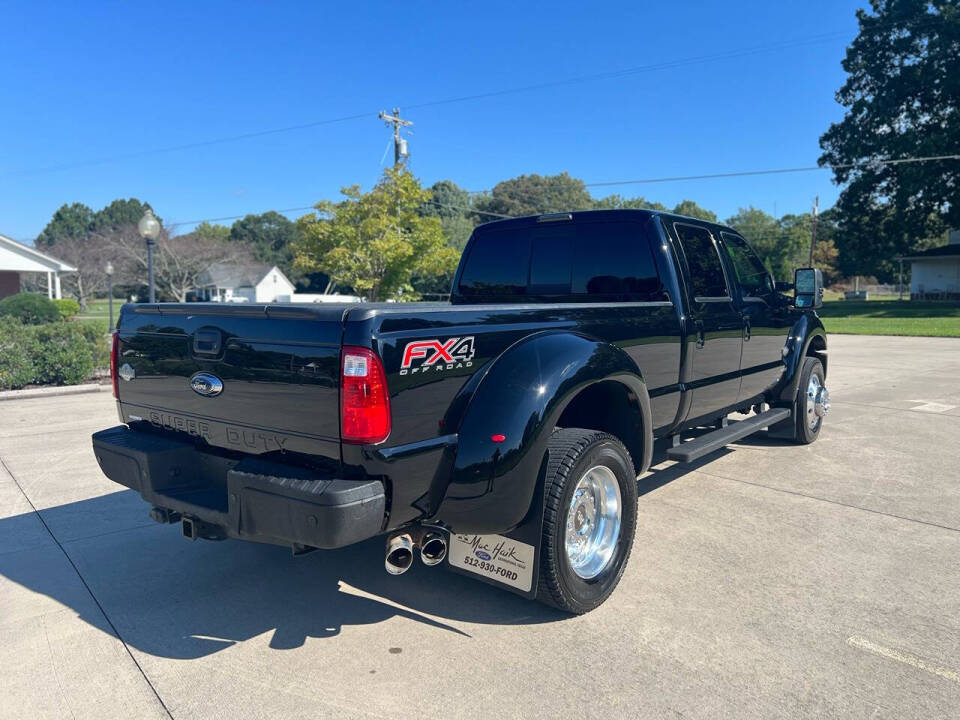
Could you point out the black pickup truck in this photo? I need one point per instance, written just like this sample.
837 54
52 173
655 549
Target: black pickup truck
502 432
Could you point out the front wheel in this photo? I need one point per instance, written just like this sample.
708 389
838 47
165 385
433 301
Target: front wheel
590 516
813 402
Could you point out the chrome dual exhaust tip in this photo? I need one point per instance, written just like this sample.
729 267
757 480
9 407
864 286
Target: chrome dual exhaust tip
399 558
433 549
399 554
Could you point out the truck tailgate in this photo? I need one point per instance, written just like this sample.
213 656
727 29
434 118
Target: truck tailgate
254 378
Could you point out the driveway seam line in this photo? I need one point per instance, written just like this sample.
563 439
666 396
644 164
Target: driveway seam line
833 502
89 589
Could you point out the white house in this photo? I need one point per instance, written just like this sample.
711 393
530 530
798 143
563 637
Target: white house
16 258
935 273
247 282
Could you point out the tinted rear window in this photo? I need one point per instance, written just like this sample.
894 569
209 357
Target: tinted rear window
579 262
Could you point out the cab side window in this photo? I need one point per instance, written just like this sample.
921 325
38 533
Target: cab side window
751 273
703 261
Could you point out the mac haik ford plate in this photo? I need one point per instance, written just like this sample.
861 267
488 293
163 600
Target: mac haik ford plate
496 557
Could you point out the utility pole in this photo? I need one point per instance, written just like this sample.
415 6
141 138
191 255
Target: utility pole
813 233
399 144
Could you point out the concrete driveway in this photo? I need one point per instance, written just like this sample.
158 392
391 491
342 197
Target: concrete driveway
768 581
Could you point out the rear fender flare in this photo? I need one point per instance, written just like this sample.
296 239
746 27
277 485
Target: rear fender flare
521 397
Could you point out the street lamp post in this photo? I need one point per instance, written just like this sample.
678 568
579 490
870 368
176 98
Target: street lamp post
109 270
149 228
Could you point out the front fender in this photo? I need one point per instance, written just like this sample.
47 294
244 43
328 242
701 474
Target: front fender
521 397
807 327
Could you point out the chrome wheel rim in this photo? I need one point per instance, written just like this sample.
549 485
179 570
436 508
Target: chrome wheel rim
818 402
593 522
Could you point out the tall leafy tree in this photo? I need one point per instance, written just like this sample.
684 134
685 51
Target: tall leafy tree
69 222
211 231
535 194
376 242
120 214
691 209
452 204
902 96
618 202
272 237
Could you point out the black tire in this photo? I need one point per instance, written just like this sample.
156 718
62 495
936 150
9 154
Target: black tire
572 452
802 432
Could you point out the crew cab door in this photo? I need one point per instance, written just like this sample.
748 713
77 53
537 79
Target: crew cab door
714 322
766 318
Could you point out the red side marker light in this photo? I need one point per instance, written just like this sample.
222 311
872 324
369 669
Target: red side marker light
498 438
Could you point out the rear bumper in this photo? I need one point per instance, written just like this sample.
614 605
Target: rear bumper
249 499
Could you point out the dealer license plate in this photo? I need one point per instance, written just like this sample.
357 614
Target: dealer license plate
494 556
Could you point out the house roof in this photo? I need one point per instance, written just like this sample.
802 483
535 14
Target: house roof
23 258
943 252
236 275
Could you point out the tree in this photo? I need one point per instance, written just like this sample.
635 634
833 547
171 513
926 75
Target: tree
120 213
777 243
180 262
691 209
89 254
272 238
535 194
902 96
452 204
212 231
68 222
618 202
375 242
447 200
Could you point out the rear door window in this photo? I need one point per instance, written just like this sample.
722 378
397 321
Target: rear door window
613 261
703 261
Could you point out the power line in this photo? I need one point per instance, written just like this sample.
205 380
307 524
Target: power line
775 171
612 74
666 65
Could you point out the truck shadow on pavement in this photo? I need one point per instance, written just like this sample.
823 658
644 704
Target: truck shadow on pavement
174 598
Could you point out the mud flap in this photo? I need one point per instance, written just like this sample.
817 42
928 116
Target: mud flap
509 561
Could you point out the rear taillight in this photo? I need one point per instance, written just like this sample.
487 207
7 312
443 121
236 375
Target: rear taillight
364 403
113 365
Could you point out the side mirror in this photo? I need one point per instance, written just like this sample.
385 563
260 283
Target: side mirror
808 288
783 286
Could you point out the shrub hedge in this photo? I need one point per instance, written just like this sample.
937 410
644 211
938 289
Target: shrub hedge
65 356
67 307
30 308
59 353
16 354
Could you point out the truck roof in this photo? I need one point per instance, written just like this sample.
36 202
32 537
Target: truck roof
593 216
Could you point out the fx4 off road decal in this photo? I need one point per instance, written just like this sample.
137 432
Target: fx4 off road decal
435 355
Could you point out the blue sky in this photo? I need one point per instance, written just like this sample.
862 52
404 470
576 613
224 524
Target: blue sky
85 82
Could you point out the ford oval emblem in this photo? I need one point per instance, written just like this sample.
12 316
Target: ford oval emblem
206 384
481 554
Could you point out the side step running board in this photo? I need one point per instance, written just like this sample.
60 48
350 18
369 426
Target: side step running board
705 444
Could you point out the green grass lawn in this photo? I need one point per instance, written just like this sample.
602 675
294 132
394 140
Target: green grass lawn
100 310
891 317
